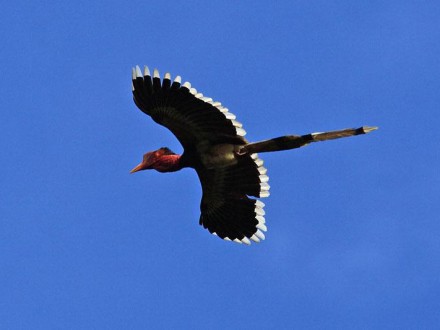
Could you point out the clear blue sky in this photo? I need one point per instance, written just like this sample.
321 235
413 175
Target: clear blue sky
354 230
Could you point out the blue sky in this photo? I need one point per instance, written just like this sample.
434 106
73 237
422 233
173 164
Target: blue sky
353 239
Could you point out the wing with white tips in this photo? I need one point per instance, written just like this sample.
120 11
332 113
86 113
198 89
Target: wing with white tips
189 115
227 208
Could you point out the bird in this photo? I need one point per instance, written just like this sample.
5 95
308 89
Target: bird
230 170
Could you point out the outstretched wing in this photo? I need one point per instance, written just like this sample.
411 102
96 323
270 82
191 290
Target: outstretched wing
226 208
189 115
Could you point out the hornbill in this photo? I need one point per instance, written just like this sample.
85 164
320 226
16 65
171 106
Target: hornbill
228 166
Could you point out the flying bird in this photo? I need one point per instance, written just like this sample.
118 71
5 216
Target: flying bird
230 170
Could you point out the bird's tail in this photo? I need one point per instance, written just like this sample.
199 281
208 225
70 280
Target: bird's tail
296 141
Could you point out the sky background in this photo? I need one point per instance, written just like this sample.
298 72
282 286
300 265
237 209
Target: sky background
353 235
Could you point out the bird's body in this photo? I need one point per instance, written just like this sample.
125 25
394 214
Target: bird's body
228 166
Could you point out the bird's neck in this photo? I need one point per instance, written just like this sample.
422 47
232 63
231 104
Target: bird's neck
169 163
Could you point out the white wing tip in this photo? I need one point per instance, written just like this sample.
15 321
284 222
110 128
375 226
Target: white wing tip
237 123
260 203
228 115
260 219
264 193
264 186
259 211
262 170
138 72
260 235
156 74
240 131
146 71
262 226
246 241
255 238
264 178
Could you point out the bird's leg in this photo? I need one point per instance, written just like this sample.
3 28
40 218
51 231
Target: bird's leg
296 141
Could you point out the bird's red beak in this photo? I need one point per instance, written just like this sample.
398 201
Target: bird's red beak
140 167
146 164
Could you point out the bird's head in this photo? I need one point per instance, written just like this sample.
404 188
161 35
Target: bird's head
162 160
